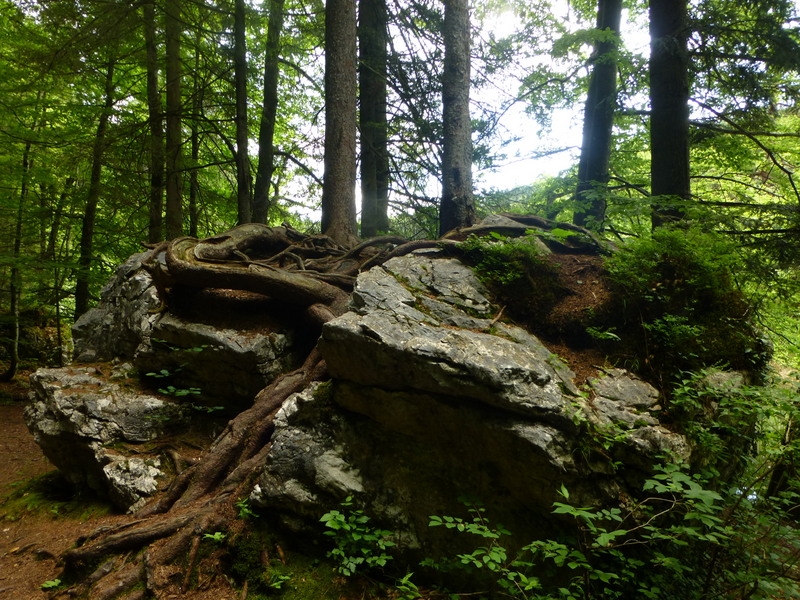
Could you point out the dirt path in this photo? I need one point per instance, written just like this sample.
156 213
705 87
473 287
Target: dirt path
32 535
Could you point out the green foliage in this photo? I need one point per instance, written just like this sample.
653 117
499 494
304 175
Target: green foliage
217 537
51 584
243 510
681 540
357 544
676 293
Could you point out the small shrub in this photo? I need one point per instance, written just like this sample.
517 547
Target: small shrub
357 543
516 272
679 305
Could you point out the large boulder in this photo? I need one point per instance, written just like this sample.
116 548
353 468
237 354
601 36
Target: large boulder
432 401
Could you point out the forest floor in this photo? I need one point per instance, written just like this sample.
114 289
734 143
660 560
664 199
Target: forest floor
40 517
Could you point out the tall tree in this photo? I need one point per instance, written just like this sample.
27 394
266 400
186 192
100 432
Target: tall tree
269 111
598 119
338 189
83 275
155 229
669 110
457 207
372 41
174 140
242 130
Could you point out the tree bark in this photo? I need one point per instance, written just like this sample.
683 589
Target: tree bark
269 111
174 162
15 283
457 205
338 189
244 209
372 39
669 110
598 121
83 275
155 229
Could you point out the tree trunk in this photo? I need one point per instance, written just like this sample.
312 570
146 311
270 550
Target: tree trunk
669 110
338 189
269 110
15 284
242 130
83 275
174 163
457 206
194 142
155 229
598 121
372 37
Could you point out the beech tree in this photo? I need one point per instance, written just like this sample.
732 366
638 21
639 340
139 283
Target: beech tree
155 229
174 137
372 38
598 119
242 125
269 110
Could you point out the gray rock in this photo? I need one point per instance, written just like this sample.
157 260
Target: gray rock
228 366
131 480
421 411
75 413
122 318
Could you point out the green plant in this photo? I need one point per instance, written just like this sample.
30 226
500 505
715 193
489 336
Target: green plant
406 588
681 539
357 544
51 584
217 537
678 305
278 580
243 509
603 334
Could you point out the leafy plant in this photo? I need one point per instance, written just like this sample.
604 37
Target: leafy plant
682 539
680 307
217 537
51 584
357 544
243 509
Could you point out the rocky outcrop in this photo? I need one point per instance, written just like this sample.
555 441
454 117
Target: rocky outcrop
123 318
431 398
432 401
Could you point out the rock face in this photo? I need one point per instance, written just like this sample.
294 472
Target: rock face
432 401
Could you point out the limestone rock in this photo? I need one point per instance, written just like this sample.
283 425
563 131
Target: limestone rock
428 403
76 412
122 318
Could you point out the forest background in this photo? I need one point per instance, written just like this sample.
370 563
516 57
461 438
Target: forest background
136 122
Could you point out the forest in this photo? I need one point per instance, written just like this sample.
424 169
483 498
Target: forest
134 123
129 125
